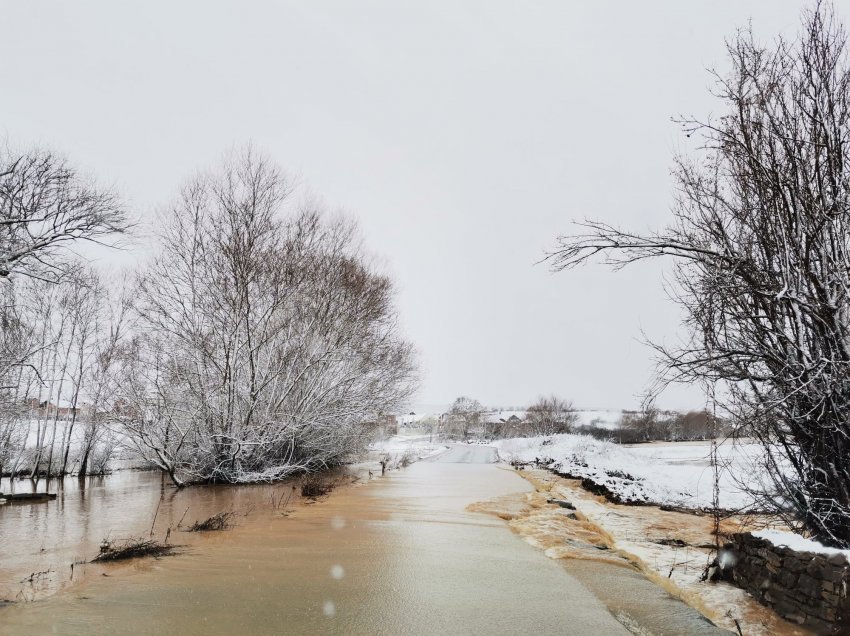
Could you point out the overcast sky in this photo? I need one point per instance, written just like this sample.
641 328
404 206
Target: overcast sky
464 136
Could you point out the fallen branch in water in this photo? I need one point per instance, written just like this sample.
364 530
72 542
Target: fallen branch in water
132 548
156 513
36 576
185 512
221 521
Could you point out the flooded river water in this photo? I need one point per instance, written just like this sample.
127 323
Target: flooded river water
401 554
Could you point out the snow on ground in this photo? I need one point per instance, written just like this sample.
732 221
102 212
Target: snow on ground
797 543
671 548
54 433
417 445
674 473
601 418
502 415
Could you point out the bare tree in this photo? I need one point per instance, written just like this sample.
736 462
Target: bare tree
698 425
464 417
45 304
99 371
646 425
550 416
761 241
265 342
17 339
46 206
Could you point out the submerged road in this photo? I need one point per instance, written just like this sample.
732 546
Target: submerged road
627 594
399 555
466 454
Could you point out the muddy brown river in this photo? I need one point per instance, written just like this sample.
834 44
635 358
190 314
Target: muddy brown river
401 554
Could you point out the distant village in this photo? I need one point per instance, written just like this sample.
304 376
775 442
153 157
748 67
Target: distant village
617 425
63 412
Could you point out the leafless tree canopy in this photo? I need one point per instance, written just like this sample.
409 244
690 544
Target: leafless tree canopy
550 416
48 300
264 338
45 206
64 336
257 343
761 240
464 417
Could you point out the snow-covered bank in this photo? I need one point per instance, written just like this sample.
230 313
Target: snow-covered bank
671 548
666 473
798 543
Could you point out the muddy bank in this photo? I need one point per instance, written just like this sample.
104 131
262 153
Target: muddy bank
669 548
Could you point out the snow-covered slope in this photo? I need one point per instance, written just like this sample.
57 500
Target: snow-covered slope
677 474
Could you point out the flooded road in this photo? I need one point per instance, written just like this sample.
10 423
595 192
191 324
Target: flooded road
399 555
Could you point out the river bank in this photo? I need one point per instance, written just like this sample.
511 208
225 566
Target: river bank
407 553
671 549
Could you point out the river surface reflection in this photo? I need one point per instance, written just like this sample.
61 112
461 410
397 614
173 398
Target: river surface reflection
399 555
44 539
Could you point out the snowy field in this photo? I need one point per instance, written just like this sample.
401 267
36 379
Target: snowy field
664 473
110 447
601 418
418 446
671 548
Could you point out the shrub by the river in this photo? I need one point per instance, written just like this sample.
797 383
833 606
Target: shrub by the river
313 487
131 549
221 521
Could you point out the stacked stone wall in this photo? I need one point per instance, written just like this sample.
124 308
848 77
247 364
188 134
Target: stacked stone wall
806 588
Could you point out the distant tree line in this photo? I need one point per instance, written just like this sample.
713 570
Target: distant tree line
652 425
551 415
467 419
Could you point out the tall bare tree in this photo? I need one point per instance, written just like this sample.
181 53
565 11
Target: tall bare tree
265 340
17 341
101 348
761 241
46 208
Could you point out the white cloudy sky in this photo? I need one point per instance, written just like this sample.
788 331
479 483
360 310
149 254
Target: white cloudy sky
464 136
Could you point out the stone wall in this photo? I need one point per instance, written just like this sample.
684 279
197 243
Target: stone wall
803 587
